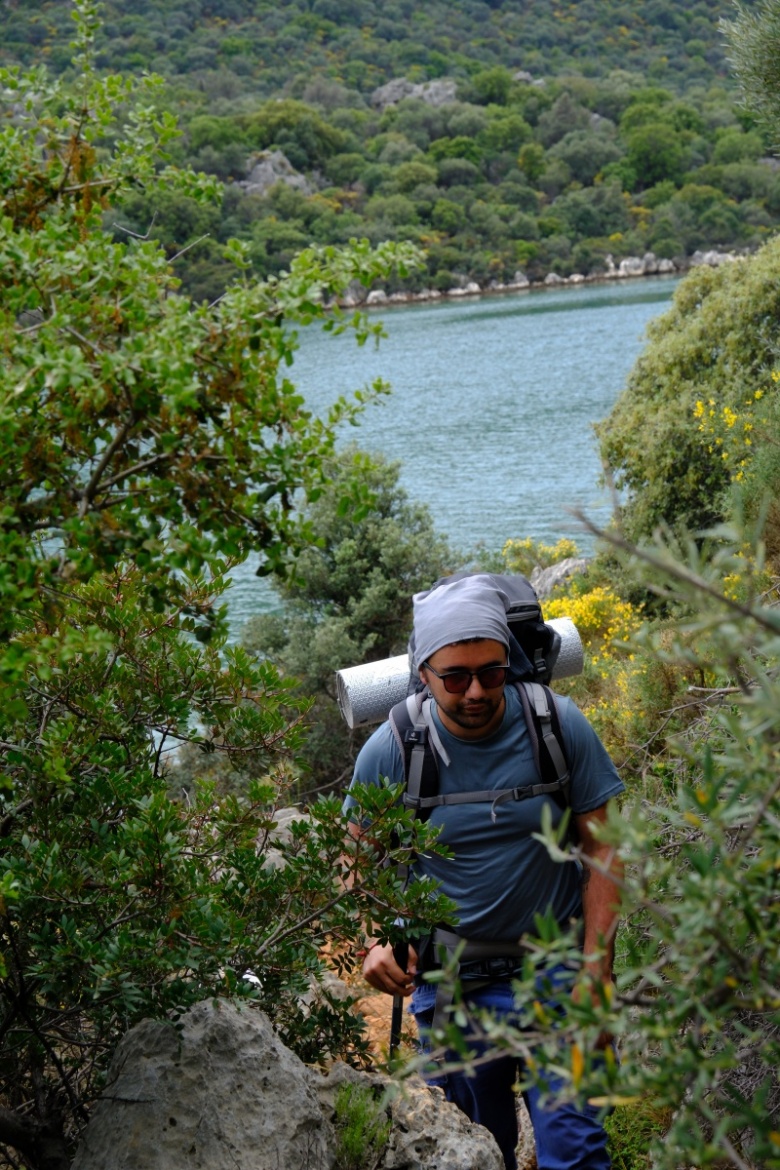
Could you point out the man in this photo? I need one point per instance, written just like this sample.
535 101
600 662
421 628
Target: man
499 876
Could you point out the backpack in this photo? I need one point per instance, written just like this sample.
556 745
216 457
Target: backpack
532 660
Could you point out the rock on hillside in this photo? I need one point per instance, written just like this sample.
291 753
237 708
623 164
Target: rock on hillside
217 1090
271 167
433 93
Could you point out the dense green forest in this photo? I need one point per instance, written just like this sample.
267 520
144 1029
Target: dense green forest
264 48
564 134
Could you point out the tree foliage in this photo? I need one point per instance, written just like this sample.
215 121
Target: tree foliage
707 379
147 445
234 44
754 43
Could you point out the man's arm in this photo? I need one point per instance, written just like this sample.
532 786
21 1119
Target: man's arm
380 969
601 877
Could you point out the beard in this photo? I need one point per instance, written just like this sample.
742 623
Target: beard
472 715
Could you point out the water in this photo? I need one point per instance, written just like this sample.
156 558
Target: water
492 411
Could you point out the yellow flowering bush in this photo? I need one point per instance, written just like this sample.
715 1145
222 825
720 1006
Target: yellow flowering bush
599 615
748 579
608 689
523 556
730 433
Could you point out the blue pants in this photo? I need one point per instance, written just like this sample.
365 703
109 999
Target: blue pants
566 1138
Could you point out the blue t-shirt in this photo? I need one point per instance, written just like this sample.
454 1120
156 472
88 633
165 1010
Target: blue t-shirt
498 876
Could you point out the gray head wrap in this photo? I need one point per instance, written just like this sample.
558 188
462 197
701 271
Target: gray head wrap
455 611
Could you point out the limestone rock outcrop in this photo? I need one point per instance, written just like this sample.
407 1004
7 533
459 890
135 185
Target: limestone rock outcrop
433 93
217 1090
269 167
545 581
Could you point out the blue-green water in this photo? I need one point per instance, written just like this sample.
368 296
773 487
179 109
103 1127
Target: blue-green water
493 405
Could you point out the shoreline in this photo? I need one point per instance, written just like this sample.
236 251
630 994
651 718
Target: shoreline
630 268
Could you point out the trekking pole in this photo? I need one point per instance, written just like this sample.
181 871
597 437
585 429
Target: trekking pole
401 956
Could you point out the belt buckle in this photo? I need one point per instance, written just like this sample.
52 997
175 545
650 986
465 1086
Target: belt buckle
500 966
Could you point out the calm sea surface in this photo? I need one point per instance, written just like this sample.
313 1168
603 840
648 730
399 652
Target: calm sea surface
492 411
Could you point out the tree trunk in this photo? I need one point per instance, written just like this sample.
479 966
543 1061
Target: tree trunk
42 1144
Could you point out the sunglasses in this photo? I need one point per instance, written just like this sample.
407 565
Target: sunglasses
457 682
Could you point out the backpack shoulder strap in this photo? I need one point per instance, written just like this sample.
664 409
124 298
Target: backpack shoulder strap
544 727
420 748
413 729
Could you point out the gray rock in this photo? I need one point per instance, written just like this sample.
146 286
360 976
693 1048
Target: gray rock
427 1133
526 1146
599 122
269 167
354 295
553 278
712 258
545 581
631 266
434 93
218 1091
392 92
280 835
469 289
431 1134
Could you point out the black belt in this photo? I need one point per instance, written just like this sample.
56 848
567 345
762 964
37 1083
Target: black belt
496 967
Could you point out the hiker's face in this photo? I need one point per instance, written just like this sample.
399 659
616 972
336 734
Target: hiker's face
477 711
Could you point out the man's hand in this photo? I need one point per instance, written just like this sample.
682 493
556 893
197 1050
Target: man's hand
382 972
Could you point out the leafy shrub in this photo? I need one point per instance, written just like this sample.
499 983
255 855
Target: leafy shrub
362 1128
147 446
523 556
671 473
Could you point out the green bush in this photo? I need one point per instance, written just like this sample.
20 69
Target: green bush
712 352
136 472
362 1128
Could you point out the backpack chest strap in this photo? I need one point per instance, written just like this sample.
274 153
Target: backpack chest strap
494 796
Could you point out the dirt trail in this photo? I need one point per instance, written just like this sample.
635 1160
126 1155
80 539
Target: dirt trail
376 1009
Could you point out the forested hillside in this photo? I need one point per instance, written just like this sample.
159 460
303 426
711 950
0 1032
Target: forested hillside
266 46
554 137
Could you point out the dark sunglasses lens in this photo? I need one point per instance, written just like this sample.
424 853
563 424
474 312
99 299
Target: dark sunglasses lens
460 680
